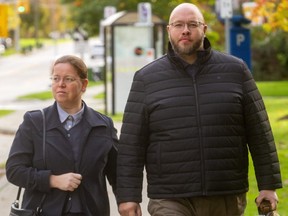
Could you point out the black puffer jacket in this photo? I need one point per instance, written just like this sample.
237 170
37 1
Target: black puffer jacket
193 132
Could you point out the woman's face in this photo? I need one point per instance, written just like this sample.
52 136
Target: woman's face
67 87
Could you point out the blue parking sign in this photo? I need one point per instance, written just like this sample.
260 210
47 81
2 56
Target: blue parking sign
240 44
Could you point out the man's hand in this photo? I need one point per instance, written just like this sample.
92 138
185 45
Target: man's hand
130 209
269 195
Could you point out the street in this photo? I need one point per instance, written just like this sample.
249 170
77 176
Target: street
23 74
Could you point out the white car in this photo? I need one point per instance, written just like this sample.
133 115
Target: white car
97 51
2 48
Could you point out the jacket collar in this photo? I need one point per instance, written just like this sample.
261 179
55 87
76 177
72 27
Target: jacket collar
202 55
93 118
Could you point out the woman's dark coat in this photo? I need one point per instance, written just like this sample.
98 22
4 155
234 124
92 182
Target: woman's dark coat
192 130
98 153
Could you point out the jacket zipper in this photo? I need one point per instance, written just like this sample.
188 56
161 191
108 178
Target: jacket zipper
204 192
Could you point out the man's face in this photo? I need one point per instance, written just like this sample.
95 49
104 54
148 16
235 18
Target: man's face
186 32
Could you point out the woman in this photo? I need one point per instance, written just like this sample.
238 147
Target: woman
80 150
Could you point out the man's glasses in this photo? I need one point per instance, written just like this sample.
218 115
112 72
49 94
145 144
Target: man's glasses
66 80
190 25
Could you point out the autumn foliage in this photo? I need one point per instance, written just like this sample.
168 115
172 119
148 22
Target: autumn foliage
274 13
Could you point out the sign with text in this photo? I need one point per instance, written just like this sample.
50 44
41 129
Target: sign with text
144 12
109 11
226 9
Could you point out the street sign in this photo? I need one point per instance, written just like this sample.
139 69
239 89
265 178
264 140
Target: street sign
144 12
3 20
226 9
109 11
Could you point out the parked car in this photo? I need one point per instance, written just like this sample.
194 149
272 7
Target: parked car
97 51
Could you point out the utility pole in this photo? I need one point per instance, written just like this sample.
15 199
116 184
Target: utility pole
36 20
17 29
53 25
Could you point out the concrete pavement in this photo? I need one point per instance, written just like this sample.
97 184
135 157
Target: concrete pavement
8 126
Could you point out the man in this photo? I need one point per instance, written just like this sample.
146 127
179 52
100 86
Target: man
190 118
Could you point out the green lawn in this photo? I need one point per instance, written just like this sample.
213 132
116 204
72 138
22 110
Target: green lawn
45 95
28 44
275 95
5 112
279 88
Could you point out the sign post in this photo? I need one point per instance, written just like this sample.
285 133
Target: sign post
226 12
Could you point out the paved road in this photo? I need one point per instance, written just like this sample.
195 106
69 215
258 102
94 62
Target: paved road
23 74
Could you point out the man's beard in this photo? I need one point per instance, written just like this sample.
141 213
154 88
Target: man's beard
186 50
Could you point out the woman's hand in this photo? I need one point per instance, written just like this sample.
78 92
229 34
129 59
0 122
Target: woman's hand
66 182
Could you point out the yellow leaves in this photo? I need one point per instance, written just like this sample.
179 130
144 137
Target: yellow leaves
274 13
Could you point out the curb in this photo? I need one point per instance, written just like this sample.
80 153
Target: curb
7 132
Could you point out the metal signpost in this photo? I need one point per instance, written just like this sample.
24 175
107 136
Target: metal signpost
226 12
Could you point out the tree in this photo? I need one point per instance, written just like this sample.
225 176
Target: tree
270 44
274 12
269 52
88 13
44 17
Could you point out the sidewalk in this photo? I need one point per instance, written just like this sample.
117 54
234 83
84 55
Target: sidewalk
8 126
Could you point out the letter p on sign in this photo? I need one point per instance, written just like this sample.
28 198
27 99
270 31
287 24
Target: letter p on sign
240 38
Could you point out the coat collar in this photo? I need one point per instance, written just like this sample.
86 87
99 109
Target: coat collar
202 55
93 117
